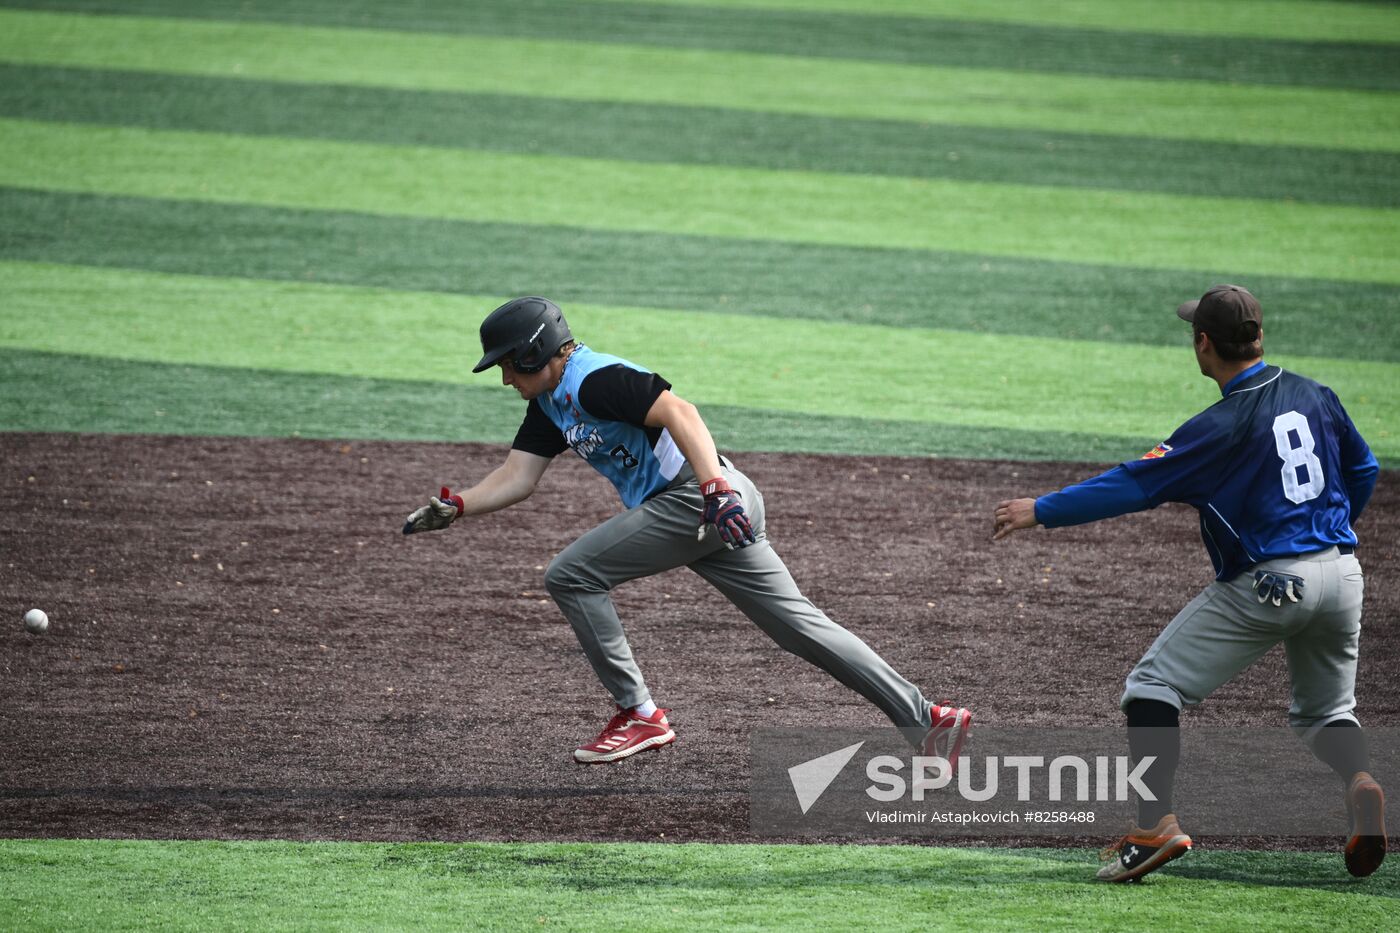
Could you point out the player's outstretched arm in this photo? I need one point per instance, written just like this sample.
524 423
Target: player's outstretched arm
1113 492
504 486
1013 515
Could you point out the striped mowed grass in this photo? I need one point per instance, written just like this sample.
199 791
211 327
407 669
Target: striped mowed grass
991 208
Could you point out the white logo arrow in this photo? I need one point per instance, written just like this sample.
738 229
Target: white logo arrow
811 778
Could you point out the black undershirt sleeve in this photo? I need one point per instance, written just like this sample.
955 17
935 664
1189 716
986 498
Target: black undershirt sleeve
621 393
538 435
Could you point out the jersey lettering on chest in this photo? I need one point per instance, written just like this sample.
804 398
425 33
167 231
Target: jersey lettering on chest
583 439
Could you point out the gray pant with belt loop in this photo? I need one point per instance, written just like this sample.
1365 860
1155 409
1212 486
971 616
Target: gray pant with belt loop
660 534
1225 629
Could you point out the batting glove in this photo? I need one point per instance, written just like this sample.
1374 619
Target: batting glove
441 511
725 510
1273 587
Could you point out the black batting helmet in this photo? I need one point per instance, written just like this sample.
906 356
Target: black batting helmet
525 331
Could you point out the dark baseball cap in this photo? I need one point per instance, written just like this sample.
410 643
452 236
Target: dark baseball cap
1227 312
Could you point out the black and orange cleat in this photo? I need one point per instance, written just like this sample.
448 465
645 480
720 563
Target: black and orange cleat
1365 848
1144 850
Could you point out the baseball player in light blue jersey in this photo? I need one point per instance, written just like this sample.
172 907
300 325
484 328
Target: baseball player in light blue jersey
1279 475
685 506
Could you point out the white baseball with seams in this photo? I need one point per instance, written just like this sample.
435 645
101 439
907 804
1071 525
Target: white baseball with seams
36 621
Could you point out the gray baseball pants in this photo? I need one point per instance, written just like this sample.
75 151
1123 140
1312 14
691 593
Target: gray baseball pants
1225 629
660 534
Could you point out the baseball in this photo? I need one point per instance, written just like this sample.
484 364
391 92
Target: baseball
36 622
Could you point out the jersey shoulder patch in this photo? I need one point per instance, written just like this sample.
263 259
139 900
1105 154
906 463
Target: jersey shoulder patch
1156 453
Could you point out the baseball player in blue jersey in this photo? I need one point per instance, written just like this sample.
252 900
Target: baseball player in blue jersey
685 505
1279 475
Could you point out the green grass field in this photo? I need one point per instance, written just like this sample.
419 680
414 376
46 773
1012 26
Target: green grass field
916 227
637 886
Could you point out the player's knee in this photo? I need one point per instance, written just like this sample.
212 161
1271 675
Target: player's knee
564 575
559 575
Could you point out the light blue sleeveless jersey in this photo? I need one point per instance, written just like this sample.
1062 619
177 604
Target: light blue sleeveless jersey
621 452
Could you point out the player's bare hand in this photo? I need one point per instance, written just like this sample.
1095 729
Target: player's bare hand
1013 515
724 508
441 511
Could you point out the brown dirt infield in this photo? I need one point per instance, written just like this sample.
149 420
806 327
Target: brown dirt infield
244 646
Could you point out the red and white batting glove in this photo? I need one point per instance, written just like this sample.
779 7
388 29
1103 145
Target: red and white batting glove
441 511
724 509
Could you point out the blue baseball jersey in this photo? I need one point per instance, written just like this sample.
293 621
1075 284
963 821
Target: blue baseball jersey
598 410
1275 468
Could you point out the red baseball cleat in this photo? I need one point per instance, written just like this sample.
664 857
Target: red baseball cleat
627 733
945 737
